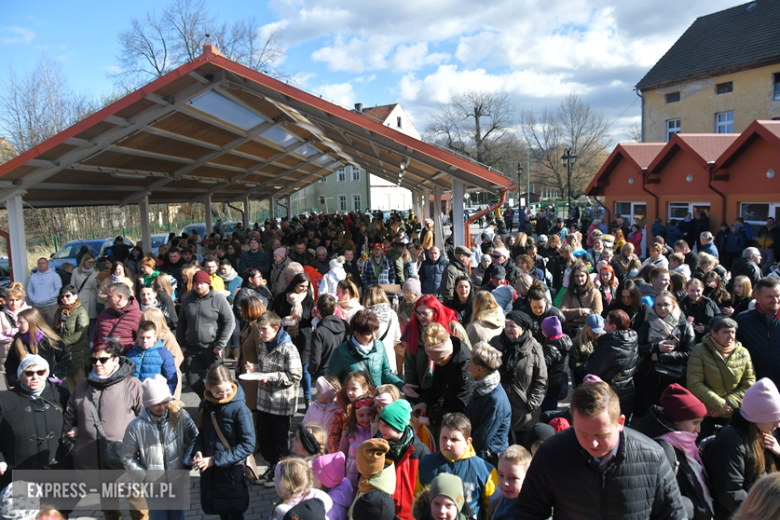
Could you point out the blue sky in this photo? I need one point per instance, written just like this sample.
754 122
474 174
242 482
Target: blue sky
418 53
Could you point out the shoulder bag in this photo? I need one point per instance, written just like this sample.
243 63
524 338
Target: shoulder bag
249 466
109 452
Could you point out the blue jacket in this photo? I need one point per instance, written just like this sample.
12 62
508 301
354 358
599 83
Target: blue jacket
673 234
233 286
155 360
735 243
260 261
479 477
430 275
709 249
490 417
659 230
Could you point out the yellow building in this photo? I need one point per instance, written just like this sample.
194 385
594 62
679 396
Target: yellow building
721 75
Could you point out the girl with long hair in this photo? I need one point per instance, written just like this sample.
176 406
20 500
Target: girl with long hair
629 300
581 298
361 414
462 301
743 295
294 484
348 298
487 319
34 336
354 385
295 305
714 290
698 308
389 332
119 273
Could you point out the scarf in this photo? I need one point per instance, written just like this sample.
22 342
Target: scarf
725 352
86 271
94 374
398 447
65 312
229 277
116 279
295 300
486 385
686 442
38 337
365 349
662 328
349 304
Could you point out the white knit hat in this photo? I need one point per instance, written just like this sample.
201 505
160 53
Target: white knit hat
156 391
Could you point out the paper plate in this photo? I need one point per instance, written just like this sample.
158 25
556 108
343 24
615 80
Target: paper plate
252 376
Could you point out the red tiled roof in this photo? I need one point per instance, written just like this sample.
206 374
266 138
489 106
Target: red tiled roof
642 153
381 112
769 130
709 146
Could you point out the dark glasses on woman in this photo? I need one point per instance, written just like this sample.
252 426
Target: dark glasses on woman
30 373
101 360
364 402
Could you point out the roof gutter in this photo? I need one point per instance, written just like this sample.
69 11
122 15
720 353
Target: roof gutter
711 168
644 188
642 113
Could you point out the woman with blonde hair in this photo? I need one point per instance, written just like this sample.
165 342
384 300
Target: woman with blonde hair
426 238
187 274
389 332
581 298
763 501
85 279
347 296
34 336
162 283
168 339
741 298
119 274
487 318
9 324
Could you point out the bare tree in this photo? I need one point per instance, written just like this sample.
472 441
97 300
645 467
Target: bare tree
574 125
475 123
634 133
161 41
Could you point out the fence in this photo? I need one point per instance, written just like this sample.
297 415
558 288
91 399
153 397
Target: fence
133 233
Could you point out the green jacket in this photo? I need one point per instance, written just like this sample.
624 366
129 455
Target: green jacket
342 362
715 381
398 263
76 338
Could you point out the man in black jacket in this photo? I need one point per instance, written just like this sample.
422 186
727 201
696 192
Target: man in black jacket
748 265
608 462
759 330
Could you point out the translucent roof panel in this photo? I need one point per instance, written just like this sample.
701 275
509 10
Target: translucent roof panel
279 136
325 159
220 107
307 150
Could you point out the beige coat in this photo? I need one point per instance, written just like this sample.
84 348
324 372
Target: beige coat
172 346
489 324
87 286
577 309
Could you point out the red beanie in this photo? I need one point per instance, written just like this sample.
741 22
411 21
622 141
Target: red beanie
201 277
681 405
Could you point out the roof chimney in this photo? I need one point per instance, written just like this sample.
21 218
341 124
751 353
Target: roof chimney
212 49
359 108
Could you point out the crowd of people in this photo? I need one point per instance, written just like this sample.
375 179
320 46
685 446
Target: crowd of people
431 377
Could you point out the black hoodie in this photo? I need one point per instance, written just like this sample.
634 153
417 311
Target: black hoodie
329 334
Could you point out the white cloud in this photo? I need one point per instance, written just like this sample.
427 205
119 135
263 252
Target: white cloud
13 35
341 93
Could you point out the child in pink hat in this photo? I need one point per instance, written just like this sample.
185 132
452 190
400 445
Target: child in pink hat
329 475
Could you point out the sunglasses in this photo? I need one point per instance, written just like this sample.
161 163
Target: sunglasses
496 256
30 373
101 360
369 401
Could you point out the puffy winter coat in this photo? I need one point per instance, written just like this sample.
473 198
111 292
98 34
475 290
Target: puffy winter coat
126 329
654 425
152 361
118 401
205 322
478 476
761 337
486 326
491 418
564 475
728 466
536 320
330 281
347 358
637 317
523 376
152 444
735 243
555 352
431 274
615 361
451 388
31 428
406 468
715 381
53 351
222 487
679 356
76 338
331 332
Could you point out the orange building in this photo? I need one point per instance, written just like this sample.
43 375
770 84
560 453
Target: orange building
725 175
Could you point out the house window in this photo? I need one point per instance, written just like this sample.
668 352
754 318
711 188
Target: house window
355 202
342 203
672 127
355 175
322 199
724 123
724 88
398 119
342 175
624 210
323 179
776 86
678 210
673 97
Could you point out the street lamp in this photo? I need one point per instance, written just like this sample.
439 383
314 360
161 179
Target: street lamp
568 159
519 177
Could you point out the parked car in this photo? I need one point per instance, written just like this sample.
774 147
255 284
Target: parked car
69 252
200 228
158 239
